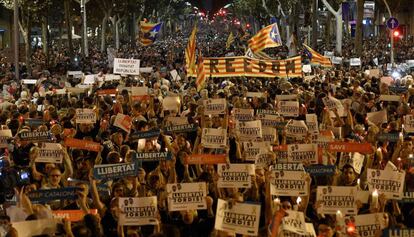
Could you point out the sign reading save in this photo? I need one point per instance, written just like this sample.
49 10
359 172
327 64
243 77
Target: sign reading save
350 147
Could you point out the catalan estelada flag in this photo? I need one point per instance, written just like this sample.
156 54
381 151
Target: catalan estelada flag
190 53
148 32
230 40
317 58
201 74
267 37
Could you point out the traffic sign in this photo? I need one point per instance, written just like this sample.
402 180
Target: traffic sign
392 23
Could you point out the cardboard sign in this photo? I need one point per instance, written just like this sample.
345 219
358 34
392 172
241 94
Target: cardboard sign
85 116
208 159
215 106
338 146
337 60
264 159
37 136
83 144
187 196
399 233
237 218
138 211
5 136
252 149
243 114
388 182
289 108
235 175
175 76
126 66
139 93
153 156
115 171
47 195
269 120
249 130
171 103
355 62
269 135
214 138
123 122
408 123
379 117
332 103
46 227
72 215
296 129
312 123
298 153
294 222
369 224
89 79
334 198
147 134
288 183
50 153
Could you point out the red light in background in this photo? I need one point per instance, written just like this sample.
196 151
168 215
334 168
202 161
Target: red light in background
396 33
247 25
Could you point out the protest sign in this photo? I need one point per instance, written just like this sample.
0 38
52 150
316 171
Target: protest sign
243 114
171 103
334 198
395 136
215 106
82 144
267 111
268 135
312 123
37 136
269 120
175 76
288 167
307 68
137 211
29 81
298 153
47 195
174 121
111 92
387 80
408 197
34 122
181 128
89 79
147 134
321 170
249 130
85 116
112 77
187 196
114 171
50 153
287 97
237 218
390 98
288 183
42 227
214 138
153 156
139 93
235 175
332 103
337 60
264 159
75 90
399 232
369 224
123 122
338 146
281 153
126 66
310 232
288 108
256 94
356 160
296 129
209 159
72 215
294 222
252 149
355 62
409 123
379 117
145 69
75 74
5 136
388 182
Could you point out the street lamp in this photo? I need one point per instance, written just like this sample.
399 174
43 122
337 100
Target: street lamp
391 34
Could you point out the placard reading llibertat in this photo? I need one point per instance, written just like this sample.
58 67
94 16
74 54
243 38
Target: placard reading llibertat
50 153
214 137
235 175
138 211
243 114
288 183
215 106
252 149
334 198
237 218
85 116
369 224
187 196
298 153
249 130
388 182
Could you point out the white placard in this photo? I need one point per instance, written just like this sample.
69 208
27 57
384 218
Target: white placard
36 227
145 69
76 90
375 61
264 159
307 68
289 108
328 54
312 123
409 123
287 97
125 66
379 117
50 153
138 211
171 103
29 81
252 149
243 114
5 134
215 106
214 138
235 175
139 93
388 182
299 153
368 225
269 135
332 103
123 122
249 130
288 183
330 199
310 232
356 160
355 62
175 76
85 116
89 79
112 77
294 222
174 121
256 94
75 74
390 98
337 60
270 120
187 196
296 129
239 218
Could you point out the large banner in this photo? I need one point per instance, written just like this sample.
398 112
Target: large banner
187 196
138 211
237 218
249 67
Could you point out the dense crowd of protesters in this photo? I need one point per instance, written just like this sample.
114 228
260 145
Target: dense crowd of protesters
23 102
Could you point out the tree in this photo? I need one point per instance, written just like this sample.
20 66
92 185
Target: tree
358 31
339 25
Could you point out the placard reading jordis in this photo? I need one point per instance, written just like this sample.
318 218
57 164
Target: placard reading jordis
138 211
187 196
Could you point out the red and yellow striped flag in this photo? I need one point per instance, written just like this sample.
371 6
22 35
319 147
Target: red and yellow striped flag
267 37
317 58
148 32
190 53
201 74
